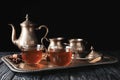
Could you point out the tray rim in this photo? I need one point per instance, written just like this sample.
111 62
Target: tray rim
15 69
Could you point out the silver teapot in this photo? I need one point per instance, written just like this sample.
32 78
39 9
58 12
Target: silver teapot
27 36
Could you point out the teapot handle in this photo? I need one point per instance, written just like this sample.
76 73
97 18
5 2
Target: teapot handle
44 37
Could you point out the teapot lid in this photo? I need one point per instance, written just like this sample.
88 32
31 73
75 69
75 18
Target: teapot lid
27 22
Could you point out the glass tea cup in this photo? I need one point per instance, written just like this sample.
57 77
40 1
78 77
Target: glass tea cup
32 55
60 56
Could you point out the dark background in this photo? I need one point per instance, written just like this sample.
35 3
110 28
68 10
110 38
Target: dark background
95 22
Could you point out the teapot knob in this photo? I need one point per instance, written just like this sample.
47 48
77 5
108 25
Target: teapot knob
26 17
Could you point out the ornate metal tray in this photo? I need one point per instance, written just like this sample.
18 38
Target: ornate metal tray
47 66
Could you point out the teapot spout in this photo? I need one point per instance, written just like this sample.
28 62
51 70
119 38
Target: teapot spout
13 37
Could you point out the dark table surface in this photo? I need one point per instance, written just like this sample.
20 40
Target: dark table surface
99 72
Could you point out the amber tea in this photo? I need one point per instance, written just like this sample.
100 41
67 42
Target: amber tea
60 58
32 57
